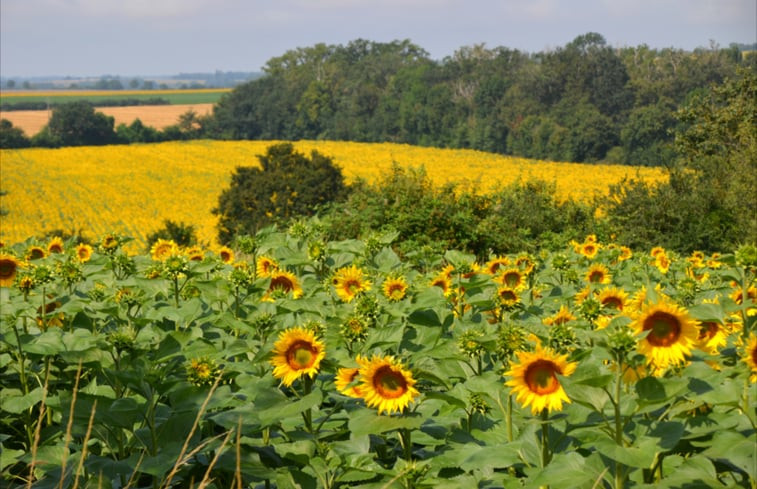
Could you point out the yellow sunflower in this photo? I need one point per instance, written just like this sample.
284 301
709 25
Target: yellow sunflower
226 254
55 245
493 265
346 380
296 353
394 288
589 249
669 334
386 384
265 266
194 253
83 252
712 337
349 282
163 248
534 379
598 274
657 250
526 263
444 282
35 252
613 298
750 356
625 253
507 296
283 282
751 299
513 278
9 266
662 262
562 316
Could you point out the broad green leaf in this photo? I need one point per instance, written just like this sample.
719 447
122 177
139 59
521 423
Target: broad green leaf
289 408
367 422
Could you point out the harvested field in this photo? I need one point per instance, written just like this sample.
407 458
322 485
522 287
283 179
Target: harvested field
157 116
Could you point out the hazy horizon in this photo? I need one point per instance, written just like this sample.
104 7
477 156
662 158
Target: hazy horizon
92 38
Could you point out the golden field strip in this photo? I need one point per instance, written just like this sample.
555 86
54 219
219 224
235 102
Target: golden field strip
132 189
11 94
157 116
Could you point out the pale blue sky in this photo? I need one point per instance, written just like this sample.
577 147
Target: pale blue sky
152 37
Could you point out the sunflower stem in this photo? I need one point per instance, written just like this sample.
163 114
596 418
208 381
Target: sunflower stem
546 456
509 417
619 468
407 444
308 414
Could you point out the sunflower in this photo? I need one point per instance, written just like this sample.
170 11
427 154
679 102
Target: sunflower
349 282
493 265
590 238
657 250
386 384
194 253
226 254
598 274
163 248
625 253
613 298
507 296
296 353
394 288
662 262
83 252
346 380
35 252
443 282
109 243
534 379
669 334
712 337
513 278
265 266
55 245
751 299
9 266
562 316
283 282
589 250
750 356
525 262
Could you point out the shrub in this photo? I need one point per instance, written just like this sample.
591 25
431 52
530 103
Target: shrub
287 184
181 234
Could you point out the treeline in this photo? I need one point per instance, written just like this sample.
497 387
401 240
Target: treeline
583 102
117 102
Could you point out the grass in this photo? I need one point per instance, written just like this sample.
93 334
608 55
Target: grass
174 97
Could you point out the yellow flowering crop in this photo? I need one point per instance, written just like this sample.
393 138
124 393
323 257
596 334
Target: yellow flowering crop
132 189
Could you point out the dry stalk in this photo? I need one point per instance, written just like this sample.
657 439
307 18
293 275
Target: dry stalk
69 427
84 444
206 478
35 444
238 471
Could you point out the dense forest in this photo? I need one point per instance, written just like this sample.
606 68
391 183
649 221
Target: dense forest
584 102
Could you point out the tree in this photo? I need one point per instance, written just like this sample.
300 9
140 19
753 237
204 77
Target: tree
77 124
287 184
12 137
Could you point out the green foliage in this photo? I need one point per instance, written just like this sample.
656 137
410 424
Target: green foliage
180 233
137 132
77 124
286 185
710 201
520 216
12 137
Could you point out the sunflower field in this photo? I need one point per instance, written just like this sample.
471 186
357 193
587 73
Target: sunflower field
289 361
133 189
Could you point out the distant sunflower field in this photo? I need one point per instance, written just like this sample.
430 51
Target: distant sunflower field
133 189
289 361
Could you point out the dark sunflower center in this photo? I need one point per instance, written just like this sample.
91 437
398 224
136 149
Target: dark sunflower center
596 276
708 330
37 253
754 355
664 328
507 295
352 286
512 278
282 283
540 377
389 383
7 268
589 249
301 355
56 248
613 302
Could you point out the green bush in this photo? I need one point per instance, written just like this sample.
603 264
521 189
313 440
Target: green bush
182 234
287 184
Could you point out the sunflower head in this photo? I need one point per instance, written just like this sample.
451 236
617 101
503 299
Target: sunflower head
9 266
444 282
589 249
667 334
386 384
750 357
265 266
202 371
513 278
349 282
226 254
194 253
534 379
55 245
495 264
712 337
83 252
613 299
35 252
284 283
562 316
163 248
296 353
598 274
394 288
507 297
